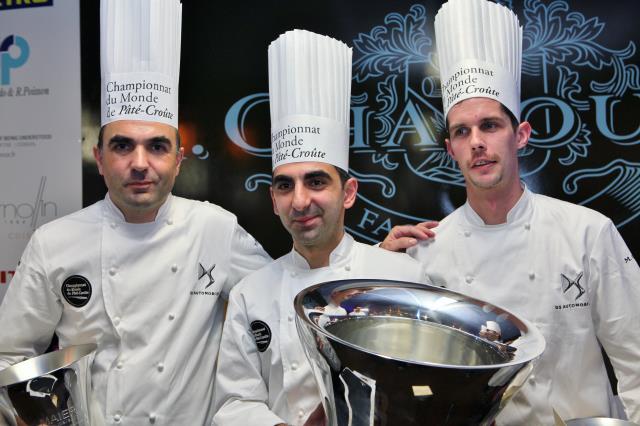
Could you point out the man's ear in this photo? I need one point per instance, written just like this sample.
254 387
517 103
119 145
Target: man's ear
350 192
447 143
179 158
97 154
523 133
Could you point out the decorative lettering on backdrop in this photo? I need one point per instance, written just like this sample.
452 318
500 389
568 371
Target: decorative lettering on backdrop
575 91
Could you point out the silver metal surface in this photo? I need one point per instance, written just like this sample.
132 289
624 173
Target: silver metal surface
388 353
599 421
50 389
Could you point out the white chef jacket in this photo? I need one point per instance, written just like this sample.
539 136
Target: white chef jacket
567 269
154 309
277 385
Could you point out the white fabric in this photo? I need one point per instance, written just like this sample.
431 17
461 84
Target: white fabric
520 265
140 60
277 386
309 99
479 53
155 318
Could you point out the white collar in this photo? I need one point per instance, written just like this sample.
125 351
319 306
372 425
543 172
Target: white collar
338 255
520 212
114 213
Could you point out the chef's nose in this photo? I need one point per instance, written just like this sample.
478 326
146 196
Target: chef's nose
477 140
301 198
139 160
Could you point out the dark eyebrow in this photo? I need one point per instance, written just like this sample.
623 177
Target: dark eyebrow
116 139
160 139
317 174
280 179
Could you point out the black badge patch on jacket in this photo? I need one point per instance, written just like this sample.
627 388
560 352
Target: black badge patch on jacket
76 290
262 334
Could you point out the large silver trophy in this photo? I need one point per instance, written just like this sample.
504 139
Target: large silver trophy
398 353
51 389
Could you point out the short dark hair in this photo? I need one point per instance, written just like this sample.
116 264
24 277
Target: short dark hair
344 175
512 118
101 136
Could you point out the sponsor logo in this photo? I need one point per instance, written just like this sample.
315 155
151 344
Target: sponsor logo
575 283
76 290
205 275
14 52
202 272
29 213
22 4
262 334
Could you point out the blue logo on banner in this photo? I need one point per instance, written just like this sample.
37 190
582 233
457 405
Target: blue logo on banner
8 61
397 119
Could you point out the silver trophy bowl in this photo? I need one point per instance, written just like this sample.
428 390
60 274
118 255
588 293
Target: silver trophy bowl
398 353
51 389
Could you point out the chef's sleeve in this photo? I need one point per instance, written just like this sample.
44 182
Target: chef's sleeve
30 310
245 256
616 312
241 395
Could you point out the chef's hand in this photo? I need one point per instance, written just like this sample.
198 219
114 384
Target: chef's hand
402 237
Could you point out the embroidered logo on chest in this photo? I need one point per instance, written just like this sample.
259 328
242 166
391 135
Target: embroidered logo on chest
262 334
76 290
206 272
572 286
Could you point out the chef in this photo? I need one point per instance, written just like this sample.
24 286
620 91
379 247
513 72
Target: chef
562 266
263 376
141 273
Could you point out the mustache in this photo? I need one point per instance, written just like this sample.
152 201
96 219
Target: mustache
309 211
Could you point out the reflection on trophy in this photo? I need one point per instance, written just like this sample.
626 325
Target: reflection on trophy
51 389
398 353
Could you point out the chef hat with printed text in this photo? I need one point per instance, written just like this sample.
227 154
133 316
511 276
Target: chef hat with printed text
309 95
480 53
140 60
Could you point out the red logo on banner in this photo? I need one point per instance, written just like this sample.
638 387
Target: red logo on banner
5 276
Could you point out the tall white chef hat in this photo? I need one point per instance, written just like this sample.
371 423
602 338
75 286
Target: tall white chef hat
309 95
140 60
480 53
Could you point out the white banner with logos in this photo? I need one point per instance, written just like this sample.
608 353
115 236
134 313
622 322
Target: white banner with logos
40 123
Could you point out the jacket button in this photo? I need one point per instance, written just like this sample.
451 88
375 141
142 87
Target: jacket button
347 268
152 418
532 275
112 271
301 414
527 226
174 268
171 317
469 279
117 417
160 367
467 233
116 321
113 225
294 366
290 318
169 222
119 365
293 274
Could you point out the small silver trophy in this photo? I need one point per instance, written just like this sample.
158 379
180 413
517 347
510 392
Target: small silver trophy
52 389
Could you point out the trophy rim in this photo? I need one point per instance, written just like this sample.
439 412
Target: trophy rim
526 327
44 364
